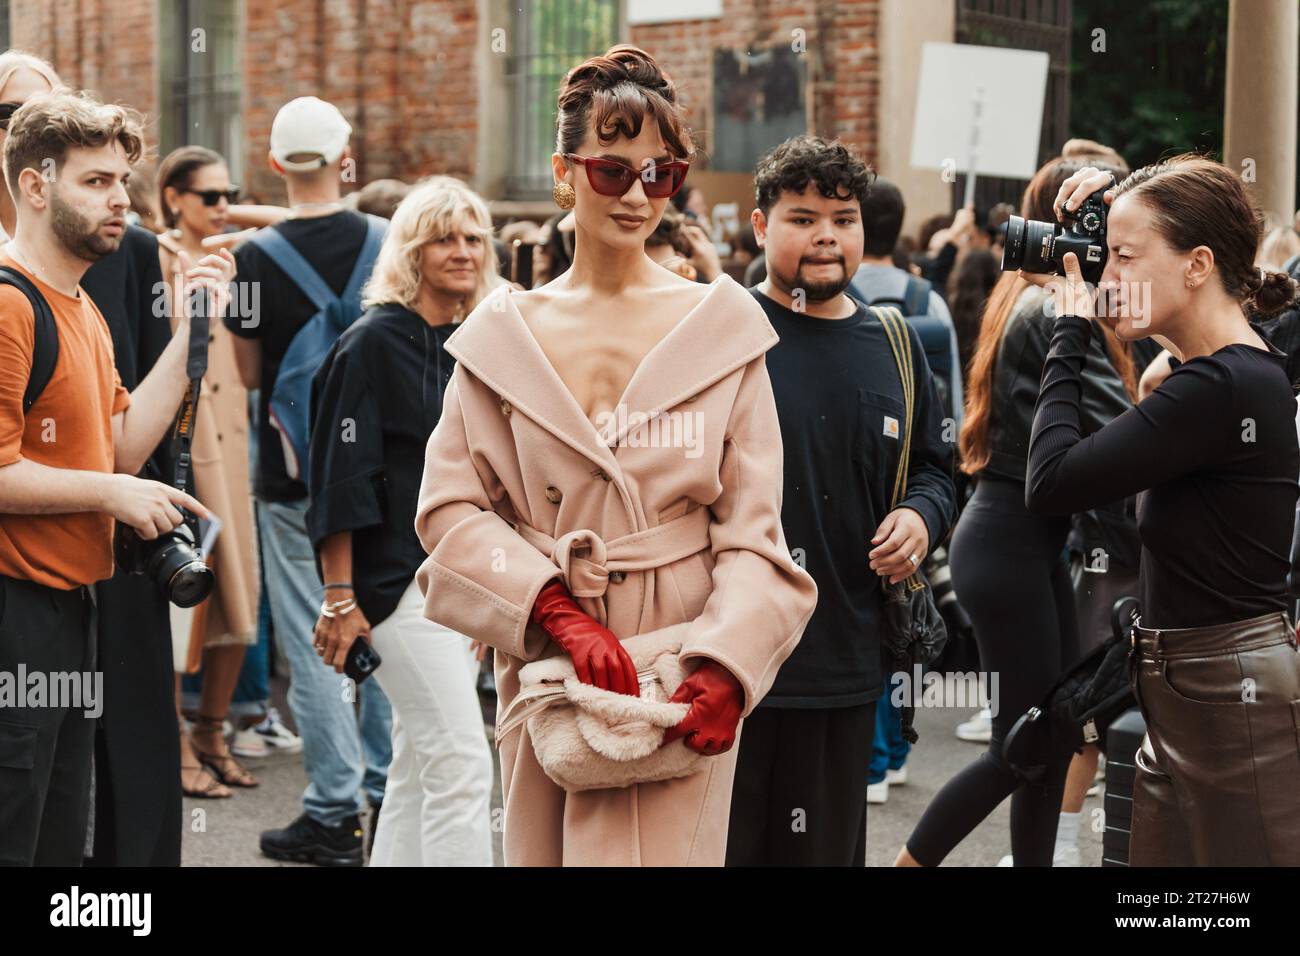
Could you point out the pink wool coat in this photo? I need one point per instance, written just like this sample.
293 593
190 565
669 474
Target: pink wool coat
650 521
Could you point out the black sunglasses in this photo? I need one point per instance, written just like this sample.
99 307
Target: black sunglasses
7 111
211 197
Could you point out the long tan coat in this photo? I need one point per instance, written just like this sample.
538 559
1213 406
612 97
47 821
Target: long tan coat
222 482
519 487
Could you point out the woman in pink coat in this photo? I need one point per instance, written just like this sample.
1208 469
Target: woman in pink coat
608 463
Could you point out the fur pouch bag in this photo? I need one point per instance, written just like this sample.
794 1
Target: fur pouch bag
586 738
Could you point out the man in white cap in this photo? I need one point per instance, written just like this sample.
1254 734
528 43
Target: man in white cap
309 149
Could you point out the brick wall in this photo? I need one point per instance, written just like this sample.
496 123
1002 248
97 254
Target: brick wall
404 71
401 72
108 46
838 35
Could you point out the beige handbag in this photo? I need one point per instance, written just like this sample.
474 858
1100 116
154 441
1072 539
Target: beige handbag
586 738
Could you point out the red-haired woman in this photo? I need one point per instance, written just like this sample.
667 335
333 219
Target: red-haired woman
1008 566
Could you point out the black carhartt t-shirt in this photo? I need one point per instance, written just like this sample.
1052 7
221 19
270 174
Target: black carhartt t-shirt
839 400
270 307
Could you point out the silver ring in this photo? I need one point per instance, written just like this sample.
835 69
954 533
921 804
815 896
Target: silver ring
915 561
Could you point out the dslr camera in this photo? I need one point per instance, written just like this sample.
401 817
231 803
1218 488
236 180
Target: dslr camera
1039 248
173 560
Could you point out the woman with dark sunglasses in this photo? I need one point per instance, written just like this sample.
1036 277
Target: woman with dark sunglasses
195 192
560 523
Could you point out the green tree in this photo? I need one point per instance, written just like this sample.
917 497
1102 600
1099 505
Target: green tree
1156 88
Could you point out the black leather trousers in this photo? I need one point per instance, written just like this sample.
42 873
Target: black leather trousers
1218 773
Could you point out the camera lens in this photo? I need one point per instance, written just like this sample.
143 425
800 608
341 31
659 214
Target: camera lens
179 570
1013 252
191 584
1030 246
1040 242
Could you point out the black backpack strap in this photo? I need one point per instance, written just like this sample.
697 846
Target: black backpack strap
45 350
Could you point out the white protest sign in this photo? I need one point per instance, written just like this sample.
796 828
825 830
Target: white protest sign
979 105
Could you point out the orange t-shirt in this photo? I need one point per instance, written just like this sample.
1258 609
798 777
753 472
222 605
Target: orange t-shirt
69 426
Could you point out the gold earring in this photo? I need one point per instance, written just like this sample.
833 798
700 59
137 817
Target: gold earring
565 196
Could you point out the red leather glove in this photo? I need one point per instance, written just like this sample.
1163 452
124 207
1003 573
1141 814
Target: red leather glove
716 700
598 657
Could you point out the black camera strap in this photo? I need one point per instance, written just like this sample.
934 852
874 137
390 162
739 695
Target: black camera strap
196 364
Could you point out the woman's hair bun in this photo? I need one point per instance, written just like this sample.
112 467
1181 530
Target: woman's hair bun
615 92
1277 291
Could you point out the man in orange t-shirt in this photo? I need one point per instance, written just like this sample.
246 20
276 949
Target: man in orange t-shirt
67 464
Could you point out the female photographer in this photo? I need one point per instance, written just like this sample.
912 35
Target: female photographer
1008 566
1213 450
558 526
378 397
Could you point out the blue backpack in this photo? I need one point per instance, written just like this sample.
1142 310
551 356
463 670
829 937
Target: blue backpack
290 402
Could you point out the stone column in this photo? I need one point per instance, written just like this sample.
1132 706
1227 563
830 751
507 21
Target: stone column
1260 107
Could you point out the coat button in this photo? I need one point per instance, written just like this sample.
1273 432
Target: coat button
505 407
553 494
616 577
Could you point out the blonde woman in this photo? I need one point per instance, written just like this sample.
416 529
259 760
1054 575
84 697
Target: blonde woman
376 400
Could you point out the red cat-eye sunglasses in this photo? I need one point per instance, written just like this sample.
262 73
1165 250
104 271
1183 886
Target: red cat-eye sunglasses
611 178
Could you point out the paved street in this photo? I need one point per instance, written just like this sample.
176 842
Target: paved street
231 827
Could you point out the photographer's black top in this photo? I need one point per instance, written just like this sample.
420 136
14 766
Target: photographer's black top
1213 452
840 404
375 401
269 306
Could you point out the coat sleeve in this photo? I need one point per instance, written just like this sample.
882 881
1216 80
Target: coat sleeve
481 578
761 600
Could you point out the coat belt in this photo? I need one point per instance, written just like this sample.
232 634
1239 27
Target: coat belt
586 560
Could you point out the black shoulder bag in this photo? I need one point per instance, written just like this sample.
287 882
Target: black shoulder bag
914 629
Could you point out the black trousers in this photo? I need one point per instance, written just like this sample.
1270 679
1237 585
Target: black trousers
1010 574
800 791
137 748
45 751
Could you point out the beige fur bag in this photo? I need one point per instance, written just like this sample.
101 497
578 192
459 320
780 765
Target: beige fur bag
586 738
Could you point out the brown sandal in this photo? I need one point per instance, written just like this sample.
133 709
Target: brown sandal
223 765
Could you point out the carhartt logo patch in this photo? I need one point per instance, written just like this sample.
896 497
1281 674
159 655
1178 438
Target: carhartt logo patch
891 427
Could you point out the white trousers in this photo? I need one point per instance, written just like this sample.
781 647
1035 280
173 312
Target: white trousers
437 806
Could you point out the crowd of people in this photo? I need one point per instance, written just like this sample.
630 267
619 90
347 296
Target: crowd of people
677 512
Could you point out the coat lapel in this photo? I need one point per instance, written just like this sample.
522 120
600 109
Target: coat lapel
725 331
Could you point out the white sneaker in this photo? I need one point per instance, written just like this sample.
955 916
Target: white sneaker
249 743
277 736
977 730
1007 860
878 792
1066 856
896 778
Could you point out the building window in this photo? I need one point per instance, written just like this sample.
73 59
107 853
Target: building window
200 78
553 37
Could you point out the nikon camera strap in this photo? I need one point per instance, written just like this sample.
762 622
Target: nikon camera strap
196 364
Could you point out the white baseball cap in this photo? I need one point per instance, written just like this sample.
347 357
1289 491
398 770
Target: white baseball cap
308 125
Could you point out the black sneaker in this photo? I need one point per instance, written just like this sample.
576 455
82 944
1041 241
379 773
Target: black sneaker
308 841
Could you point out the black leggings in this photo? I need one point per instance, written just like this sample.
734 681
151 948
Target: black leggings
1011 577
